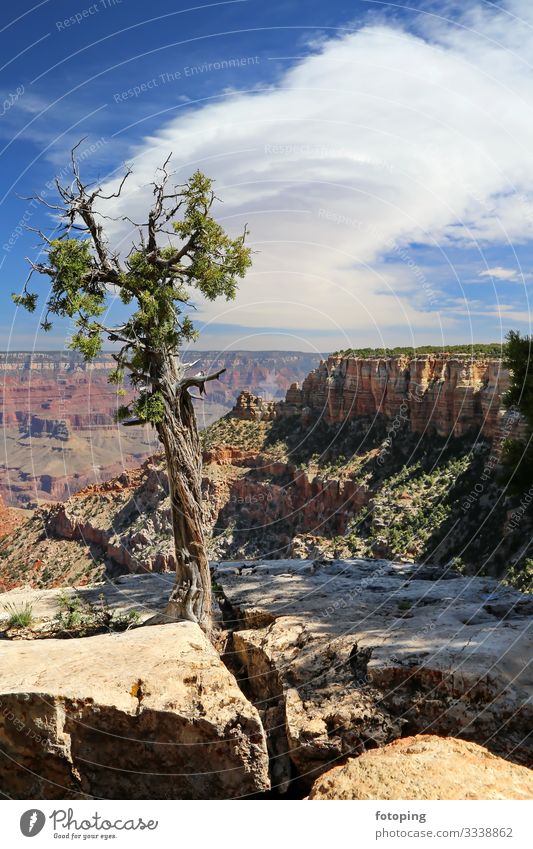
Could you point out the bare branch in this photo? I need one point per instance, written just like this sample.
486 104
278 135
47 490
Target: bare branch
39 233
40 268
118 191
199 380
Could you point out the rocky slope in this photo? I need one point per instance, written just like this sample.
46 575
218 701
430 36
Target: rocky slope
10 519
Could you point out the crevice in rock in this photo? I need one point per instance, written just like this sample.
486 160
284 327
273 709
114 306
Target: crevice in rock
284 779
358 660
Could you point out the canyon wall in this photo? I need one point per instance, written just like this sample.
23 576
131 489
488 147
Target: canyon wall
57 415
284 479
60 385
442 394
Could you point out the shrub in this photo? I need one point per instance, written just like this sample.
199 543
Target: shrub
19 617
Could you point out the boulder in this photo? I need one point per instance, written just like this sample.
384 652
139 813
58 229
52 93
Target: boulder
148 713
355 654
426 767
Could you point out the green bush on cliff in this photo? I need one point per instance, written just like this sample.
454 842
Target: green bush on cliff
518 454
478 350
19 617
520 575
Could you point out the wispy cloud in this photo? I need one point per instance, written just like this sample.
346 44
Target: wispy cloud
499 273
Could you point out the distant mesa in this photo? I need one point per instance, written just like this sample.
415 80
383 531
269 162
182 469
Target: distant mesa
35 426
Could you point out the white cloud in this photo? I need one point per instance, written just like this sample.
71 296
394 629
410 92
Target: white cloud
499 273
377 140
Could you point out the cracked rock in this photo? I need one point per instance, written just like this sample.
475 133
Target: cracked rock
351 671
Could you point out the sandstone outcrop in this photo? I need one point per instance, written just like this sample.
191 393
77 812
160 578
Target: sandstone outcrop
149 713
250 407
346 656
449 395
426 767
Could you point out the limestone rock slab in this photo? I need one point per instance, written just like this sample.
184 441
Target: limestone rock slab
148 713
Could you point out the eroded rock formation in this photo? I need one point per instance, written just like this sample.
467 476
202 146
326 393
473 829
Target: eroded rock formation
58 412
327 471
250 407
443 394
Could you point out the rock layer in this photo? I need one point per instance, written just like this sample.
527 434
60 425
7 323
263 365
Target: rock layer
443 394
58 415
426 767
149 713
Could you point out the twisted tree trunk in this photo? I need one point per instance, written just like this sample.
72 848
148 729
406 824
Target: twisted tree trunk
191 596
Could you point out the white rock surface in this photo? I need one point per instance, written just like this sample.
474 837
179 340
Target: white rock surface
349 655
145 594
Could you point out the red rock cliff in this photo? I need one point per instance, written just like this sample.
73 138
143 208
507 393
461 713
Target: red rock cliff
442 394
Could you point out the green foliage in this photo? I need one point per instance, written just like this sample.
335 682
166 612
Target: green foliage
89 344
19 617
517 456
78 617
158 279
520 576
249 435
480 350
149 407
116 377
75 293
26 300
518 358
123 413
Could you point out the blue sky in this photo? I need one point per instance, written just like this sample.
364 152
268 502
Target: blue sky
380 155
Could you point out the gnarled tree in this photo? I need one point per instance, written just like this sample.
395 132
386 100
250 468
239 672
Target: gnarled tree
179 248
518 453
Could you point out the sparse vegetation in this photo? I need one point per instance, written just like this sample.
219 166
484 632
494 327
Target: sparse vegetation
78 617
419 507
520 575
518 454
247 435
477 351
19 617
